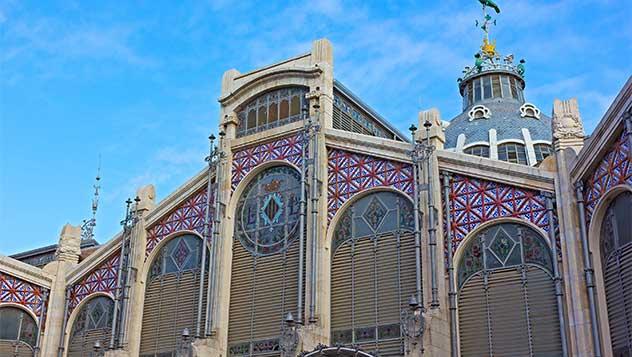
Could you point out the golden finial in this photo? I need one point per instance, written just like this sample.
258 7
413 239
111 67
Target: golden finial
489 48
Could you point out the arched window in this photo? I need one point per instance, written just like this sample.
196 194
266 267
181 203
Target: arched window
93 323
616 261
264 282
542 151
512 152
506 294
372 273
171 296
478 150
271 109
18 332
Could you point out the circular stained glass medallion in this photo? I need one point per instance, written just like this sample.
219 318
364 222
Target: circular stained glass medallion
269 210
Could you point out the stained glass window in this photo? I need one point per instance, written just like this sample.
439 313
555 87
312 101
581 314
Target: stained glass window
268 211
17 325
373 215
271 109
95 315
178 255
503 245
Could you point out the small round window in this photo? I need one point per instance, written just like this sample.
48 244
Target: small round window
268 211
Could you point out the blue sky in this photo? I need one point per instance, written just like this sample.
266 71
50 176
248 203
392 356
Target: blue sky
137 83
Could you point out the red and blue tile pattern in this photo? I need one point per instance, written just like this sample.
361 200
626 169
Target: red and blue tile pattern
474 202
615 169
189 215
287 149
18 291
350 173
102 279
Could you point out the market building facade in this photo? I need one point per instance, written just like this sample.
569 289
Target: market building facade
317 228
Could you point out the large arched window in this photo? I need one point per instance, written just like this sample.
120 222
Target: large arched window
506 296
264 283
372 273
18 332
93 323
478 150
271 109
171 296
616 261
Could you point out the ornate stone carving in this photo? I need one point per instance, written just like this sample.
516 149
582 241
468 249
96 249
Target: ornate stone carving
567 123
69 247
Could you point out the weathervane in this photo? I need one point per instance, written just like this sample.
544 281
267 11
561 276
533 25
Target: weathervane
488 48
87 228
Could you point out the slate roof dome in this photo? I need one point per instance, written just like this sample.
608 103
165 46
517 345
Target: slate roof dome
496 121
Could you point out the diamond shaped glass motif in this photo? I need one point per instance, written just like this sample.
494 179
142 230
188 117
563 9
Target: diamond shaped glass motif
180 254
96 313
271 209
375 213
502 245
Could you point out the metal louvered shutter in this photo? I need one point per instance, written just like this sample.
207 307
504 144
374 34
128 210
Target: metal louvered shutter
618 286
170 307
370 285
263 290
513 317
10 348
82 344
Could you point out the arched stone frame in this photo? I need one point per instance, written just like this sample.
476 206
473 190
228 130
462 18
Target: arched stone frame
325 270
458 254
29 313
73 317
225 258
594 237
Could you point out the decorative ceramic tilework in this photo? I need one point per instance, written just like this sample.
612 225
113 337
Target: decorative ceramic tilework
287 149
21 292
615 169
474 202
102 279
189 215
350 173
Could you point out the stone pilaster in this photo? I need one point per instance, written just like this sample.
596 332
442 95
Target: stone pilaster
568 140
67 253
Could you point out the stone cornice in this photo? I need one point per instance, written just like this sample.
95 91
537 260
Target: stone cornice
369 145
266 76
94 259
25 271
604 134
498 171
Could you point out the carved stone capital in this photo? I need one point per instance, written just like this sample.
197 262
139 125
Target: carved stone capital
567 123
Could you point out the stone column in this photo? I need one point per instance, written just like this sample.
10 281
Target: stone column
568 140
68 252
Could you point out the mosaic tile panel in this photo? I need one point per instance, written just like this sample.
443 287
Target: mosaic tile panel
615 169
102 279
189 215
18 291
474 202
286 149
350 173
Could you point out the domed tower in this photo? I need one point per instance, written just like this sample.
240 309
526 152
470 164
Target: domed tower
497 122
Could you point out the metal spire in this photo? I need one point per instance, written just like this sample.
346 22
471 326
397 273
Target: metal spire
87 228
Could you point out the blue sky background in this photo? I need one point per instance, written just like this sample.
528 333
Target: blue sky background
137 83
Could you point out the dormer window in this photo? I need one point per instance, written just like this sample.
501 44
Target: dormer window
528 110
479 112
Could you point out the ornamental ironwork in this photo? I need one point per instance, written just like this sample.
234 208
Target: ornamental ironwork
269 211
